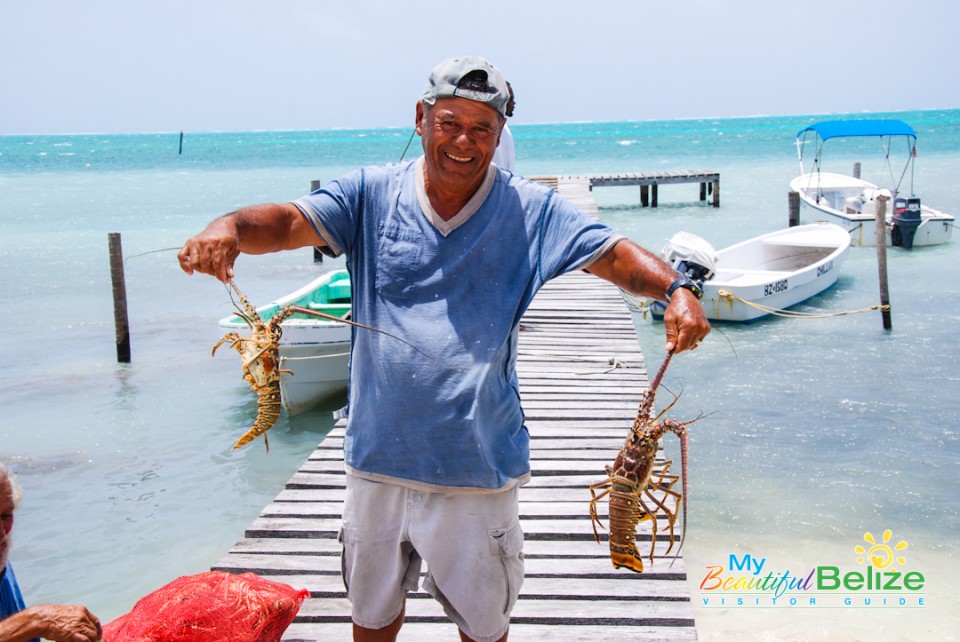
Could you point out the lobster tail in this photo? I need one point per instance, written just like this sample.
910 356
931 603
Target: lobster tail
625 514
268 412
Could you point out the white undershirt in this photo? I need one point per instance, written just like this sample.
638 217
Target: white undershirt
468 210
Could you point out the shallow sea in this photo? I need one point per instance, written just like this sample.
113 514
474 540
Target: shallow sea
822 430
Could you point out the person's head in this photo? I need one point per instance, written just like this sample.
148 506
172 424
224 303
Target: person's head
460 117
9 499
508 112
470 77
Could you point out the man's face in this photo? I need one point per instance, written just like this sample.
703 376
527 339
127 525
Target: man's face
459 139
6 521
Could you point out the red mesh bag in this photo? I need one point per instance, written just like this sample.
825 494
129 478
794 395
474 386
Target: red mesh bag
210 607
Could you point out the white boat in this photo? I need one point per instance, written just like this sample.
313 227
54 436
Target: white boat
771 272
852 203
315 350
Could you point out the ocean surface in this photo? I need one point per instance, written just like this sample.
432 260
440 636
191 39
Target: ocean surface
819 432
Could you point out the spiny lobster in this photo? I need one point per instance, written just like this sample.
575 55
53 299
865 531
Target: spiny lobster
633 481
260 359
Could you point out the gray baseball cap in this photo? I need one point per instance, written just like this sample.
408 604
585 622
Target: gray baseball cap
470 77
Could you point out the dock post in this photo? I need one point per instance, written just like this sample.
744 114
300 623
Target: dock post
120 319
856 170
317 254
644 196
703 191
653 195
793 201
882 260
716 192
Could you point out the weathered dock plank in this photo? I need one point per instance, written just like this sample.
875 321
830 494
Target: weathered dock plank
581 377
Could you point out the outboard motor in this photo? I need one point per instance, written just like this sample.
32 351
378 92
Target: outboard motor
905 221
691 255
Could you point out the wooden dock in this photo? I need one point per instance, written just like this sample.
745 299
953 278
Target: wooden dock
649 183
581 375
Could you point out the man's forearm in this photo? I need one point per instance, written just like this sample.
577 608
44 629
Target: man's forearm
634 269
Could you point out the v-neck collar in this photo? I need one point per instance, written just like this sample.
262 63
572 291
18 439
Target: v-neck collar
468 210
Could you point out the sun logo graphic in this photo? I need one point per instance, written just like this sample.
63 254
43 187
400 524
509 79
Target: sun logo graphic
880 555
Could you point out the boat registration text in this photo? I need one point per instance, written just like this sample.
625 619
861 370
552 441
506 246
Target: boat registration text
776 287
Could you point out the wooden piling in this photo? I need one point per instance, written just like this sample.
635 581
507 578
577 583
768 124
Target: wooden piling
856 170
793 201
882 260
120 319
181 142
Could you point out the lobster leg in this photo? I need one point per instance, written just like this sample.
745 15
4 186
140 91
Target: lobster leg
594 518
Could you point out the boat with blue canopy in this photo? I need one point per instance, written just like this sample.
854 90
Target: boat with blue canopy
852 202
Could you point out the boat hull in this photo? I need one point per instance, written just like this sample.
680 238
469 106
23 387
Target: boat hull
851 203
774 271
315 377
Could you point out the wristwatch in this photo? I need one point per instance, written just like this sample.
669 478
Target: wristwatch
684 282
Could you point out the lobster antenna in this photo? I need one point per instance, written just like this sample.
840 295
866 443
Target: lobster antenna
663 368
240 311
322 315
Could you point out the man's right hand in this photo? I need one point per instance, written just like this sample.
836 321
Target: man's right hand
257 229
212 251
68 623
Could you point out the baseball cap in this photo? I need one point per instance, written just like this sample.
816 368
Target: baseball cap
470 77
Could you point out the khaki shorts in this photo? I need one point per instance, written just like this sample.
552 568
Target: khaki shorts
472 544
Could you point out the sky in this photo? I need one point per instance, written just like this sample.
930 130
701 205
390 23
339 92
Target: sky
114 66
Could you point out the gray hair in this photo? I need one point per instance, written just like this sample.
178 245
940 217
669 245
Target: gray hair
15 491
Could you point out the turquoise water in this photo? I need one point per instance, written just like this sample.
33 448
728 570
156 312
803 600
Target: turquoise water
821 430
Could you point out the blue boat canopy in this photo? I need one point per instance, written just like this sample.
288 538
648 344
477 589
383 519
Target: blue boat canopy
837 128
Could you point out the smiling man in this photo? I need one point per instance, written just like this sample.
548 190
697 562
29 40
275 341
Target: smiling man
447 252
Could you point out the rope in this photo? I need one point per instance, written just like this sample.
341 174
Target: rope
640 306
634 304
166 249
798 315
316 356
408 144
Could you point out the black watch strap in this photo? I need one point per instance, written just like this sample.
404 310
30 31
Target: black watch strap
687 283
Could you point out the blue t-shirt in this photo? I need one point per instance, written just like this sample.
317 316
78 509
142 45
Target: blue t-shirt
451 419
11 601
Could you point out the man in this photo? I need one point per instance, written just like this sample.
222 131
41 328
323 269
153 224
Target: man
445 252
58 622
505 157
